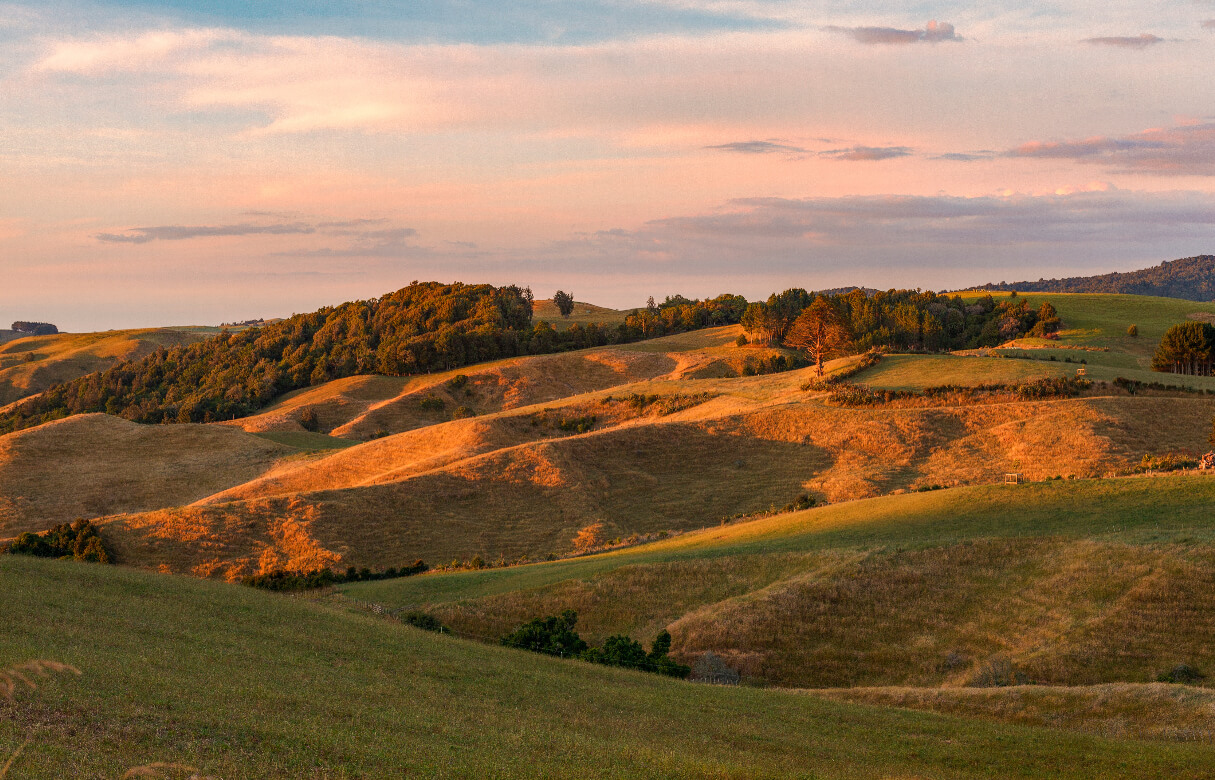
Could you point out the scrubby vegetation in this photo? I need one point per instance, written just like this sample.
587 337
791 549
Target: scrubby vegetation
555 635
79 541
286 580
1051 387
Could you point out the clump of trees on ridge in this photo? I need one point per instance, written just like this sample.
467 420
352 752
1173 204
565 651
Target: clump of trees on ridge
35 328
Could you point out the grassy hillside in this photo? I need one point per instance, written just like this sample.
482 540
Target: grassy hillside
31 364
1074 583
583 314
240 683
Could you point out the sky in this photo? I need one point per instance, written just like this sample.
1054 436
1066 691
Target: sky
169 162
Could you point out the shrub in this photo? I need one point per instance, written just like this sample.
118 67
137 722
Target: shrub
710 668
1172 461
457 381
462 412
553 635
309 420
423 621
576 424
589 538
1183 674
997 672
289 580
431 404
741 341
1132 331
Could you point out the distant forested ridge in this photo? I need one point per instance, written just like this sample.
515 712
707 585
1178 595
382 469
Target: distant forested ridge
421 328
1190 278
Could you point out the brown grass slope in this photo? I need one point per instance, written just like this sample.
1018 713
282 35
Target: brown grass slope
497 487
31 364
95 464
366 407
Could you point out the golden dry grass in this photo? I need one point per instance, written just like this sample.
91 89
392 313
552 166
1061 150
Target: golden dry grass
31 364
496 487
96 464
1156 711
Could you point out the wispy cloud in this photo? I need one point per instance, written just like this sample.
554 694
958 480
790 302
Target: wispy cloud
1126 41
1209 24
933 32
144 235
965 156
867 153
757 147
1185 150
360 229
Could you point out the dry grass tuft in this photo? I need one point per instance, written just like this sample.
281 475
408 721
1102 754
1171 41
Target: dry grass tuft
14 677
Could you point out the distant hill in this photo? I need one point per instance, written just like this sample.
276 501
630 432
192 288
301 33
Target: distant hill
1190 278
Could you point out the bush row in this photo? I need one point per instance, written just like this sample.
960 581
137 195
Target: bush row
288 580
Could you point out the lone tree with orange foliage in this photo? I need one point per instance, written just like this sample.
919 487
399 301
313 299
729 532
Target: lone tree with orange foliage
820 332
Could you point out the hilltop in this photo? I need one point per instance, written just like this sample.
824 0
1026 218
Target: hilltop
1191 278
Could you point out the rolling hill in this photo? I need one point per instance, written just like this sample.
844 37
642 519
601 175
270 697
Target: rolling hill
180 677
1191 278
475 461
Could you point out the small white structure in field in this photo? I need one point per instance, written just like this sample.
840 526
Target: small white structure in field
1014 478
1081 371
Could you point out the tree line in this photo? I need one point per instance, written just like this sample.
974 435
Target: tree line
829 325
422 328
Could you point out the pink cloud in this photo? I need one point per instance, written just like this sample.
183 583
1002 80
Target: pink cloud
1126 41
933 32
1184 150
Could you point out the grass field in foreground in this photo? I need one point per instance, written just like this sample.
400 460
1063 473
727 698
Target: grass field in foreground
241 683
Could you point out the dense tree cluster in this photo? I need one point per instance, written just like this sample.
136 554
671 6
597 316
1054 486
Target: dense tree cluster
35 328
555 635
80 541
901 320
1186 348
421 328
1191 278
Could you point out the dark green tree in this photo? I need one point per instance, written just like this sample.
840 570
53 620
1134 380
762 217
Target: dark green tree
565 302
1186 348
